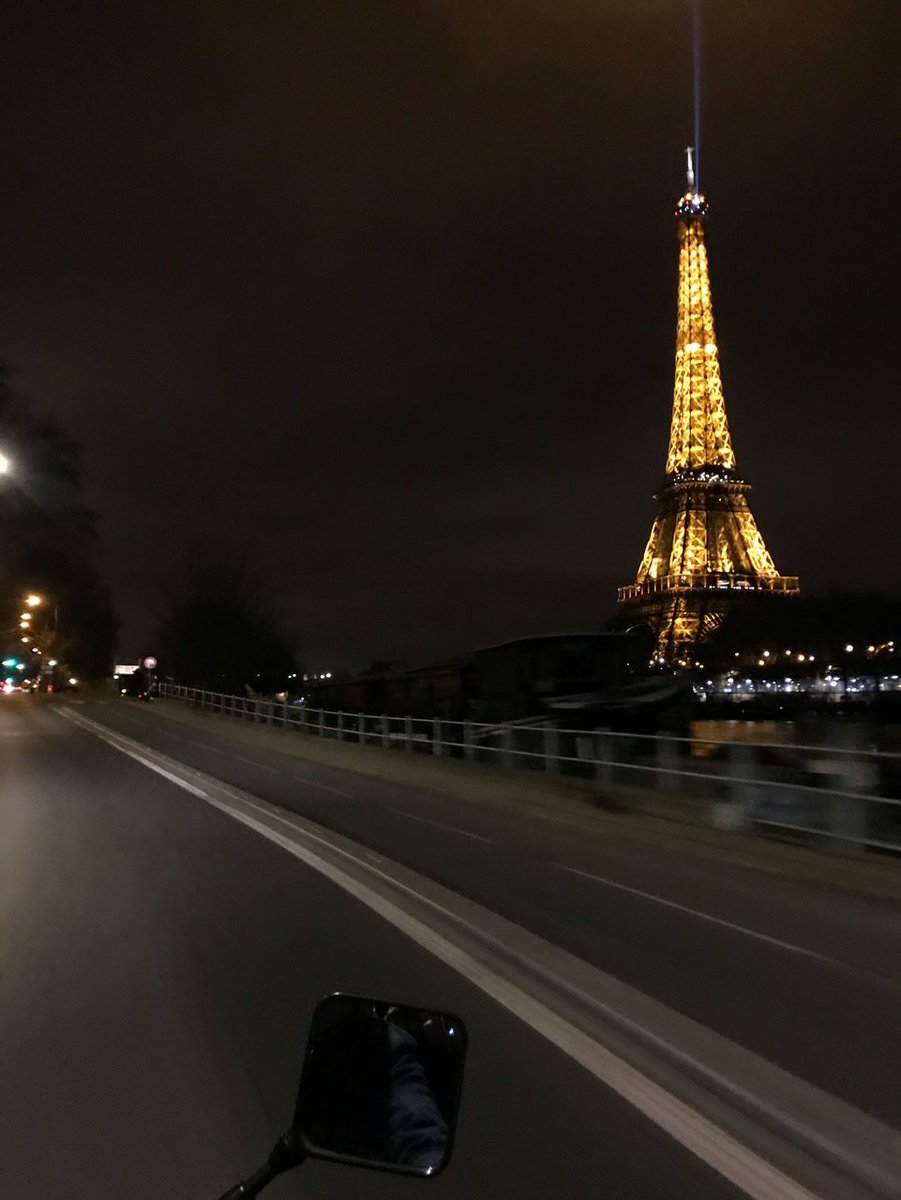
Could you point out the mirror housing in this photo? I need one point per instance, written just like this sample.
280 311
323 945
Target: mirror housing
380 1085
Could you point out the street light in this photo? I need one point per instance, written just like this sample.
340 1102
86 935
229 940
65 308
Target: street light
5 464
33 600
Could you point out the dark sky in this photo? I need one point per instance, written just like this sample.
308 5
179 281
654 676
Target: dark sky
385 291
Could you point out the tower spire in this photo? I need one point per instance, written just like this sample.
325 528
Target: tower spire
689 168
705 548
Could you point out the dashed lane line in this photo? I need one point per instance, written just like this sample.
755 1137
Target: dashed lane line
694 912
476 837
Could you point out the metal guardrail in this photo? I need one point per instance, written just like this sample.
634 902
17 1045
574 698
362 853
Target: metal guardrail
842 795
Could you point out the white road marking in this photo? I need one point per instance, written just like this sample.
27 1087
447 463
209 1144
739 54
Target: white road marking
253 763
322 786
142 759
190 741
476 837
204 746
694 912
747 1170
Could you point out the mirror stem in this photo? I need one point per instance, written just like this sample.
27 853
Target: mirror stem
286 1153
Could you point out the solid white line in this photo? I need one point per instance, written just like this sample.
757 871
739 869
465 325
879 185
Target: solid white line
694 912
749 1172
145 762
476 837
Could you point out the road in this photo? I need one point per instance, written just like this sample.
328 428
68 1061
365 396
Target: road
161 960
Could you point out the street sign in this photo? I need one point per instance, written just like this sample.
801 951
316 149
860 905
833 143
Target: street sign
148 663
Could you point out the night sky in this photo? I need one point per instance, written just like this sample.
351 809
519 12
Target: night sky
383 292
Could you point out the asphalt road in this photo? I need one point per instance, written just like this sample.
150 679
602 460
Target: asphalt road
807 976
160 962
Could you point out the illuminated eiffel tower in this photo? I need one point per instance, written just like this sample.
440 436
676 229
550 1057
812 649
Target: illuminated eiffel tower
705 549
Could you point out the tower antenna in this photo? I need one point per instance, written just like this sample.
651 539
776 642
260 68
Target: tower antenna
690 169
696 89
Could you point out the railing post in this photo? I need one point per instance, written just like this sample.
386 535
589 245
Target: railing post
603 758
437 742
742 768
361 728
340 726
469 749
847 823
849 817
666 753
285 715
386 739
408 733
551 749
322 722
508 757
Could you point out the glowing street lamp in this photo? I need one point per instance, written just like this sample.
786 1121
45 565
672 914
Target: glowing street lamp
5 464
33 600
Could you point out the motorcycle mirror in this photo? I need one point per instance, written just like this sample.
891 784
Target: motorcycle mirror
380 1085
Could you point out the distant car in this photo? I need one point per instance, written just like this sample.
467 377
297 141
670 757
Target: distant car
138 686
132 685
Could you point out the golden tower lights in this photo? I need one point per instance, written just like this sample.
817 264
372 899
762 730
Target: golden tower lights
705 548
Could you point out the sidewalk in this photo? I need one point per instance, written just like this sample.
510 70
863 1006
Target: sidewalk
650 818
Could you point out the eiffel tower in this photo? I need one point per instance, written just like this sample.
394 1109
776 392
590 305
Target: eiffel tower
705 549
